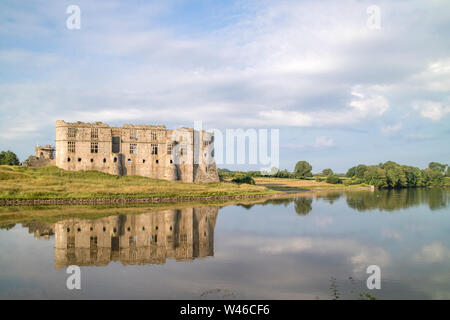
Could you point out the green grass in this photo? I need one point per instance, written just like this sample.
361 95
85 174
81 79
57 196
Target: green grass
51 183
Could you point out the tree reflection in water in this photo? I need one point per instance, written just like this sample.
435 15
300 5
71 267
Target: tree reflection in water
388 200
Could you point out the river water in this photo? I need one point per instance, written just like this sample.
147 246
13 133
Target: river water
312 246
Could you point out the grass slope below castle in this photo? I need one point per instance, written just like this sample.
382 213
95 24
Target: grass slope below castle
53 183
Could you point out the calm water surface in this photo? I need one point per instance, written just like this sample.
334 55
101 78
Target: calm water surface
314 246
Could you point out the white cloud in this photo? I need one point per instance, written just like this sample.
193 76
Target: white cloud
391 128
432 110
323 142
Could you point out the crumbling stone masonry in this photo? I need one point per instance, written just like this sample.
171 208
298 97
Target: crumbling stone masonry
43 156
146 150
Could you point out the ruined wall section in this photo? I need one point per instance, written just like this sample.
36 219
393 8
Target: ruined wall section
83 146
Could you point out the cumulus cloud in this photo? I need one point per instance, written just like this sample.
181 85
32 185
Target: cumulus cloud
432 110
391 128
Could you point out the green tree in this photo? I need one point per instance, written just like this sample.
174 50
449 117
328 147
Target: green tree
302 169
432 178
436 166
360 171
9 158
375 176
327 172
395 177
351 172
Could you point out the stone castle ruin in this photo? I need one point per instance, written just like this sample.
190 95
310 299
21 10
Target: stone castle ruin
151 151
43 156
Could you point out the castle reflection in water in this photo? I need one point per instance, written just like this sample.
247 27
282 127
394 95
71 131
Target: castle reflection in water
150 238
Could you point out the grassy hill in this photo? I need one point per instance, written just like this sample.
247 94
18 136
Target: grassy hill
51 182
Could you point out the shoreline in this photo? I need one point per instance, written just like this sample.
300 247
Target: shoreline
129 200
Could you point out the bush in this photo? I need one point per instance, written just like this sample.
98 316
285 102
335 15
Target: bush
333 179
349 182
243 179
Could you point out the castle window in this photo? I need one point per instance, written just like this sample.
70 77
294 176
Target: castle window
94 133
206 143
68 159
212 153
129 160
154 148
92 160
133 134
115 144
171 161
104 160
94 147
71 146
153 135
71 132
133 148
157 161
79 159
115 159
143 160
169 148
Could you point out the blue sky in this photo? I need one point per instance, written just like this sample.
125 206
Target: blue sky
340 92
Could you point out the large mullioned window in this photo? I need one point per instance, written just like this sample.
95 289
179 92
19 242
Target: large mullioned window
94 133
94 147
133 148
71 146
154 148
71 132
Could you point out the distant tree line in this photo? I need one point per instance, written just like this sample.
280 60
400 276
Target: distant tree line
394 175
384 175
